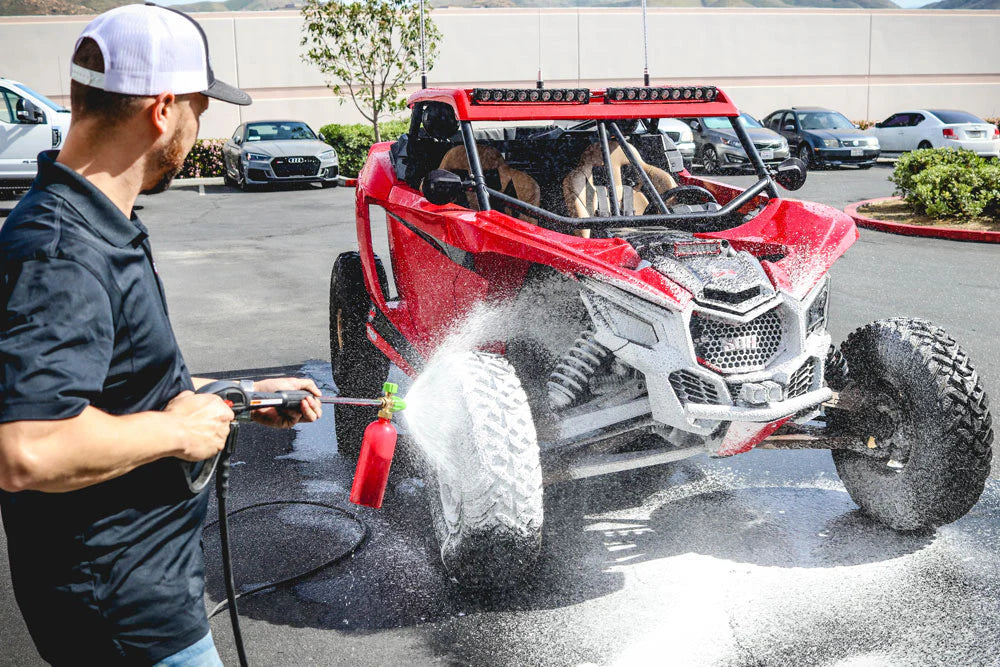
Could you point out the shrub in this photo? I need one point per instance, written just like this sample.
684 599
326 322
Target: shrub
204 160
942 182
353 141
915 162
864 124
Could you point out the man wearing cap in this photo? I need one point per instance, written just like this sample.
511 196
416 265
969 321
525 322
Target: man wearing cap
96 408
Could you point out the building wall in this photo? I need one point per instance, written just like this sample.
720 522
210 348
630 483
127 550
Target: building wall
865 64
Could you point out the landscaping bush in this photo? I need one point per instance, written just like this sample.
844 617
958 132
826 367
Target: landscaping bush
353 141
943 182
864 124
204 160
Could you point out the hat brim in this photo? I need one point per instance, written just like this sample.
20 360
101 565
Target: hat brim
223 91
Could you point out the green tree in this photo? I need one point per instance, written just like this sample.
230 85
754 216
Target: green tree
369 47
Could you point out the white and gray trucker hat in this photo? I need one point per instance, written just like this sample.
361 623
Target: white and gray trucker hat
148 50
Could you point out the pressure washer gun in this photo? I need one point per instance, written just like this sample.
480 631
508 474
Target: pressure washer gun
377 445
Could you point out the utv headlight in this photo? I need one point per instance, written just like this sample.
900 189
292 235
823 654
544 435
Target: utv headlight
256 157
831 143
623 323
816 316
328 155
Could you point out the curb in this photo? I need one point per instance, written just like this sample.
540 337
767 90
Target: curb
980 235
206 180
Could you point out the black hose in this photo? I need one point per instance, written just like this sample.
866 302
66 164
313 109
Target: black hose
222 494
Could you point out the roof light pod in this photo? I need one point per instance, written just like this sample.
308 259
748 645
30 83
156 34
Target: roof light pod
528 95
647 94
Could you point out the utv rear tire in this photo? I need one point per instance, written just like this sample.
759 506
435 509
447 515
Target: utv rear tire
940 439
359 368
487 504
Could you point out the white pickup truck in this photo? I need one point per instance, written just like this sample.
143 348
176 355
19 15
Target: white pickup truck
29 124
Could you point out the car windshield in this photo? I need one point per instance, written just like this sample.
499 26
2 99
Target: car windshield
279 131
44 100
823 120
722 122
949 117
746 120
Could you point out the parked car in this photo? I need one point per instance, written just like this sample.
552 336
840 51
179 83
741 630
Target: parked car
278 151
29 124
821 137
937 128
717 148
682 136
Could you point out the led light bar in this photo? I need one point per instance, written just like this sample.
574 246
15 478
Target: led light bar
645 94
530 96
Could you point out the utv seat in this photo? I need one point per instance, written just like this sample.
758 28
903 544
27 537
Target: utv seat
587 197
498 174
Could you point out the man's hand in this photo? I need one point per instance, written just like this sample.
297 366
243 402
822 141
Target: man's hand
309 409
203 423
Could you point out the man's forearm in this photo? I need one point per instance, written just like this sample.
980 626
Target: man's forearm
87 449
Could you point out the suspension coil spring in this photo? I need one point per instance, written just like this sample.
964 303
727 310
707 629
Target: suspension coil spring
571 376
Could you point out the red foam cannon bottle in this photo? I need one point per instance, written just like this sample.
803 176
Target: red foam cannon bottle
377 447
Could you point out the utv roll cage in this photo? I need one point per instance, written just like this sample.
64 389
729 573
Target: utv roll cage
602 110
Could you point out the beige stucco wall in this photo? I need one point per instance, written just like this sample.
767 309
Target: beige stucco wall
866 64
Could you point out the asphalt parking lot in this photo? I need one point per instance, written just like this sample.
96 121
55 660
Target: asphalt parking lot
761 559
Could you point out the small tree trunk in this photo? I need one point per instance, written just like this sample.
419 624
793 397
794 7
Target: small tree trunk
378 136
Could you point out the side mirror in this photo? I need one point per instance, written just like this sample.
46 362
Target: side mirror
879 125
30 114
695 125
791 174
788 128
442 187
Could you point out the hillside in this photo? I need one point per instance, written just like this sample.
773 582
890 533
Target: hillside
964 4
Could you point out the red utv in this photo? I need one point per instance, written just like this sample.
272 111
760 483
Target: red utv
644 316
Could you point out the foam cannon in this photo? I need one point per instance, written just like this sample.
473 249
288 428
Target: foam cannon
377 447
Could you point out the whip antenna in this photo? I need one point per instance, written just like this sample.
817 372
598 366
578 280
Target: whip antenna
538 81
423 55
645 47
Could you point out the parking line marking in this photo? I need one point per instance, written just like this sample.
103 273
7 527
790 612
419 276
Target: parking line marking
201 189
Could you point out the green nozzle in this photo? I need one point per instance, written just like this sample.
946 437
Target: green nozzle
398 404
390 388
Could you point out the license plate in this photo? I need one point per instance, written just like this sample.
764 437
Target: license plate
975 135
767 155
857 152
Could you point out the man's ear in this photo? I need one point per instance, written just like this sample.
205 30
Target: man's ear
164 107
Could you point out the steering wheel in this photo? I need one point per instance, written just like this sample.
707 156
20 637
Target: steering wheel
682 194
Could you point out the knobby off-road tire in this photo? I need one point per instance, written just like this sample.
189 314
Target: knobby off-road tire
488 502
359 368
835 369
942 434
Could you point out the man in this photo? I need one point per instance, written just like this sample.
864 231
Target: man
96 407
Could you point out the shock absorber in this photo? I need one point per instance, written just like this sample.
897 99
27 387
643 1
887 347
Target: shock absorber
571 376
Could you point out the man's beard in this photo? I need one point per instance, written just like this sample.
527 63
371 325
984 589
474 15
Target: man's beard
169 162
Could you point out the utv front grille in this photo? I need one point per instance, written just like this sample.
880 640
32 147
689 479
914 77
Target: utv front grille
802 380
736 348
692 388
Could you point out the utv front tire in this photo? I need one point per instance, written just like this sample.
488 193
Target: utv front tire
488 501
359 368
933 456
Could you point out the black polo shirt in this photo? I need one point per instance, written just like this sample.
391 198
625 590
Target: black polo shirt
111 573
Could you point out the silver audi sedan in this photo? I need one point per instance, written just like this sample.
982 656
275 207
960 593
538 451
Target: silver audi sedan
278 151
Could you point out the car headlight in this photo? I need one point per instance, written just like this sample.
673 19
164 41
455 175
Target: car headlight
784 144
328 155
816 316
730 141
873 142
256 157
831 143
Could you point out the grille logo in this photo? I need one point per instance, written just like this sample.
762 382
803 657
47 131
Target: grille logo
740 343
296 160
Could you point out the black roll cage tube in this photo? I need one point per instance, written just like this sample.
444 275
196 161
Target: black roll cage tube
564 223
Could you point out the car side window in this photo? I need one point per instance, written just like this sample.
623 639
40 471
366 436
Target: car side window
788 119
774 121
893 120
7 106
238 135
916 119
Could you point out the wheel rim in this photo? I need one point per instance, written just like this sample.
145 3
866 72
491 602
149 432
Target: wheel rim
805 154
710 161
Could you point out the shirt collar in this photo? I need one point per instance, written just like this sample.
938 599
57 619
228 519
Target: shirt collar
95 207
